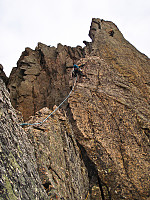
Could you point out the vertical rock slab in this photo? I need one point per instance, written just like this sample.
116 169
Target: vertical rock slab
19 177
111 123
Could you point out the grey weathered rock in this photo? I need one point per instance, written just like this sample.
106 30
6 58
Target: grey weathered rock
19 178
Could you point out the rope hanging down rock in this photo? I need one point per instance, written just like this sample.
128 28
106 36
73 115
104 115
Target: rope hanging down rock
38 123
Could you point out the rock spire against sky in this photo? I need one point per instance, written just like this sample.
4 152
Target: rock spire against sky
25 23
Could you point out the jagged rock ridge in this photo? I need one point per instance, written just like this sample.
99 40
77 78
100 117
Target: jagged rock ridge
33 83
101 135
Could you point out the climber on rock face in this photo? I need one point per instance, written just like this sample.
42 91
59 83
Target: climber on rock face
77 70
111 33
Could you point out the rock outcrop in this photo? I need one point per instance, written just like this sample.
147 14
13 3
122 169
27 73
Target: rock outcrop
3 75
97 145
40 80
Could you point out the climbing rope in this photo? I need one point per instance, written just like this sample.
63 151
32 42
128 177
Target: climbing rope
38 123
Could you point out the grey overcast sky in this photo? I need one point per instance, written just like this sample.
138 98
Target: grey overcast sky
24 23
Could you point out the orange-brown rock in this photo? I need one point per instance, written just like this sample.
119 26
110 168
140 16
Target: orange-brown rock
40 78
111 123
61 170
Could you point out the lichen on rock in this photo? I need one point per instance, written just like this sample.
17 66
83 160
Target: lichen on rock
19 178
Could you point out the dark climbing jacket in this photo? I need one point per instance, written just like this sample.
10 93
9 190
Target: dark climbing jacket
77 70
111 33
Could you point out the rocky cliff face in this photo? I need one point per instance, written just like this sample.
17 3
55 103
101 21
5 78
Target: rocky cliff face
97 145
41 80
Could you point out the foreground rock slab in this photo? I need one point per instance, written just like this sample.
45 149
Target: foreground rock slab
19 178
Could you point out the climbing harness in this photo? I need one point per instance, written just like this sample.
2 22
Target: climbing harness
38 123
